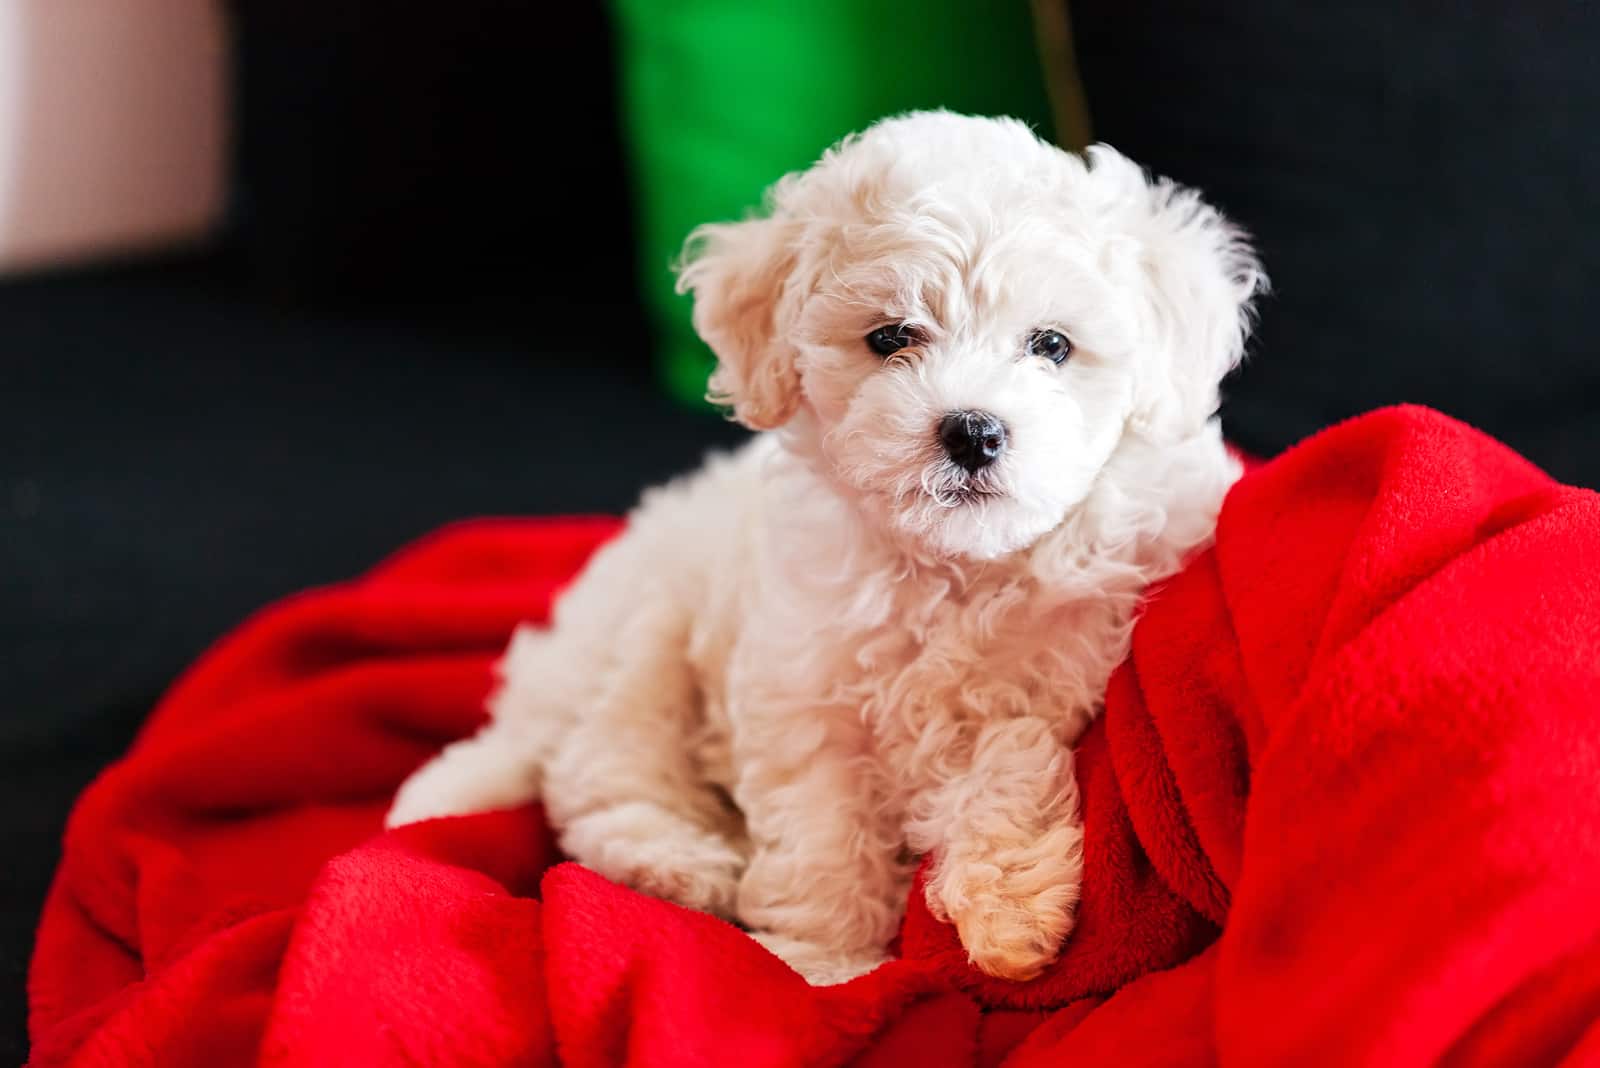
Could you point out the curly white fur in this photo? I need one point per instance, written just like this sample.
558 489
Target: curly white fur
836 649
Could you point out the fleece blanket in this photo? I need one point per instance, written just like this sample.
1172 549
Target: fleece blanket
1343 807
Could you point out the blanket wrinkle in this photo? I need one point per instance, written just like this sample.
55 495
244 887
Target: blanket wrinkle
1341 809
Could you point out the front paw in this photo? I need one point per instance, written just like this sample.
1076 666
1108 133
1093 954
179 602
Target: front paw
1012 937
1011 917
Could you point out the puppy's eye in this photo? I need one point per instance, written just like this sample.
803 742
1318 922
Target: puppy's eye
1051 344
888 340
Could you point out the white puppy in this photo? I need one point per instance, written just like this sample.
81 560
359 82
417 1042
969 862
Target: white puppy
991 370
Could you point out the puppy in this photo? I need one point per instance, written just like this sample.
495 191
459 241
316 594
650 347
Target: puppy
989 370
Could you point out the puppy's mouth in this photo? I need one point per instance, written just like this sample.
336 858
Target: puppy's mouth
968 494
951 487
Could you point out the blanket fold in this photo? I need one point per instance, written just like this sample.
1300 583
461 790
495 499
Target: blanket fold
1343 807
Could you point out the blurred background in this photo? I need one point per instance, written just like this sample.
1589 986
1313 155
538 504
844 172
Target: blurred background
285 284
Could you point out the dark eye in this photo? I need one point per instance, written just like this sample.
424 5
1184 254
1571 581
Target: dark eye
1051 344
888 340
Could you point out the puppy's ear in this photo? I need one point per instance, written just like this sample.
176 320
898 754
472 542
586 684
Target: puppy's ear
1199 275
742 277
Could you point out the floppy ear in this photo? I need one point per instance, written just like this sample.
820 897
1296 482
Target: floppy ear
1200 277
741 275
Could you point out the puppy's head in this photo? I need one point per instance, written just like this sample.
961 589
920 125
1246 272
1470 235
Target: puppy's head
963 322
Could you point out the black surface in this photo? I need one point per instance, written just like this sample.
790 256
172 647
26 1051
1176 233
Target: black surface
428 151
176 455
1424 181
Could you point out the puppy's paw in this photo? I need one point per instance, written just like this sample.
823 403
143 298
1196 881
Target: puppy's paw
491 770
1012 937
442 787
660 853
819 965
1012 898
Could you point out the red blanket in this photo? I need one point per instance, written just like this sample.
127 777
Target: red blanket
1343 807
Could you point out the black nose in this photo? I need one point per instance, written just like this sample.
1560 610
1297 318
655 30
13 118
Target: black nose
972 439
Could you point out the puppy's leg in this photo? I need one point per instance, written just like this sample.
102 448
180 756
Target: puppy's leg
826 885
490 770
624 788
500 766
1008 848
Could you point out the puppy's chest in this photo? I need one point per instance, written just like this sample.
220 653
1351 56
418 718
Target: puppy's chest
979 660
912 684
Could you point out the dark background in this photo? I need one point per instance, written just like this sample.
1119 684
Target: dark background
423 306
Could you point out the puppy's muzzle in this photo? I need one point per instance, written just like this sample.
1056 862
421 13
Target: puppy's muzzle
974 440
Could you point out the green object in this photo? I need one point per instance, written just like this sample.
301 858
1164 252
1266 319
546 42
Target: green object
722 97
